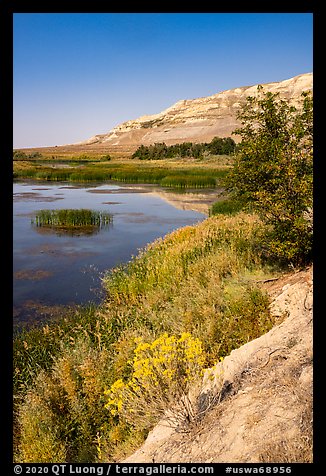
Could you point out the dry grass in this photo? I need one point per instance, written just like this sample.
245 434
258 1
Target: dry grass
295 444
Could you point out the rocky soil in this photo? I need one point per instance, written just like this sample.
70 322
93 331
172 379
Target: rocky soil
261 394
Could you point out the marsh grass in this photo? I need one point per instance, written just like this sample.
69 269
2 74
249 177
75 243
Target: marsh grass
198 279
37 347
188 181
72 219
168 175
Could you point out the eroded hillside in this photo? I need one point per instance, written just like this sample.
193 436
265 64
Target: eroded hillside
196 120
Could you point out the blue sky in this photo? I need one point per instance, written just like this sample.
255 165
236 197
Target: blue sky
80 74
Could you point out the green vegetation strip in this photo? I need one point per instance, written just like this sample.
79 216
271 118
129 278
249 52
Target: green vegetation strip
195 177
71 218
159 151
226 207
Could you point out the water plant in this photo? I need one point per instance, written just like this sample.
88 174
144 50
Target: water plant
188 181
72 219
168 176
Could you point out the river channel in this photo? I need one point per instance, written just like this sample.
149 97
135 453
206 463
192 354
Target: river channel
54 269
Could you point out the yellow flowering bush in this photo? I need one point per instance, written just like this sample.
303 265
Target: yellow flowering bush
163 373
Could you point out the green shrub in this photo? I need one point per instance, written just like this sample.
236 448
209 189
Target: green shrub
273 171
66 408
20 155
105 158
245 316
290 241
159 151
226 207
40 438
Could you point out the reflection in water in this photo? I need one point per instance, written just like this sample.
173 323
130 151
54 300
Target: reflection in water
34 275
196 201
34 197
70 231
199 201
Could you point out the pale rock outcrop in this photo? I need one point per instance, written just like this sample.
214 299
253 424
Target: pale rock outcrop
196 120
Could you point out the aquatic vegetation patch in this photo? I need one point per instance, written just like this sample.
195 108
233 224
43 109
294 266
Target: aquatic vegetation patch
72 219
188 181
168 176
33 274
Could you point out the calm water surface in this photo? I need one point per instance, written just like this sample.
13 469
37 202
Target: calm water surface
52 270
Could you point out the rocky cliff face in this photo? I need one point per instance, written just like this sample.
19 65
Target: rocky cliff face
196 120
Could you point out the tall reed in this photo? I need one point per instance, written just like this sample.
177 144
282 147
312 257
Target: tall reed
167 176
71 218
